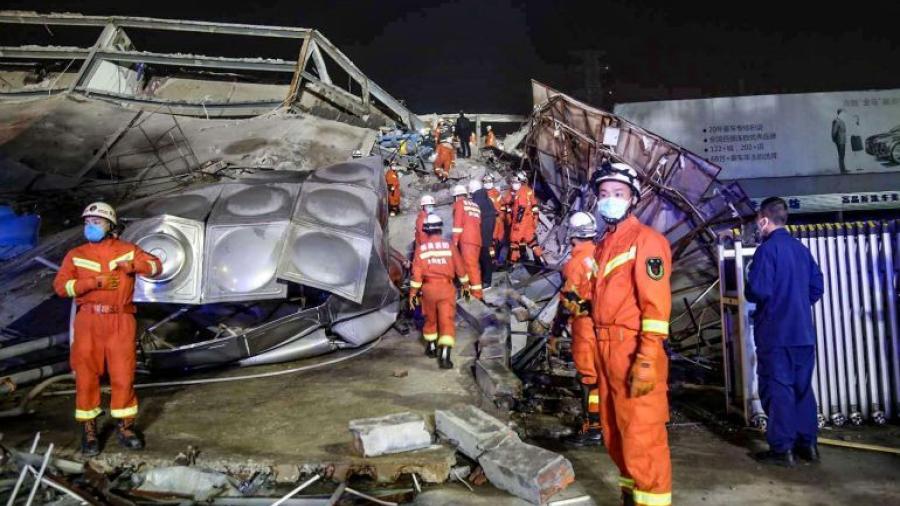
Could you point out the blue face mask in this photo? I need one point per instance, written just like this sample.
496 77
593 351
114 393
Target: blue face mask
429 209
94 233
613 209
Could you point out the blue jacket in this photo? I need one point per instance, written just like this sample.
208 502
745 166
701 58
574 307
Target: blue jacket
784 281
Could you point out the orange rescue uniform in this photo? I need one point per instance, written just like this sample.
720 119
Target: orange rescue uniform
433 268
579 274
497 199
393 183
490 140
446 156
631 308
420 232
467 239
104 323
523 230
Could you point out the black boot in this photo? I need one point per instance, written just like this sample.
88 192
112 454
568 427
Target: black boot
127 435
90 443
431 349
589 435
785 459
627 499
444 358
808 453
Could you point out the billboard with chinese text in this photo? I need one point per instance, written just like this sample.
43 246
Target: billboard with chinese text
782 135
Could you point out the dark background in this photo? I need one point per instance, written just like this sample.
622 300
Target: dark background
480 55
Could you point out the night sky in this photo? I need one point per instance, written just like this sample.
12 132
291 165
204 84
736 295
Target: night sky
480 55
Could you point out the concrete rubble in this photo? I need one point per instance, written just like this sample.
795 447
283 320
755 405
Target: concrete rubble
397 433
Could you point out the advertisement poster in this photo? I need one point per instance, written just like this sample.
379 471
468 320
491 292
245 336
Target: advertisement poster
807 134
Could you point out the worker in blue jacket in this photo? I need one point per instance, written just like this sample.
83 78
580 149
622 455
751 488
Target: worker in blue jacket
784 281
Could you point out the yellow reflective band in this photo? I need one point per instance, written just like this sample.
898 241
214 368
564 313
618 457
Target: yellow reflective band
70 287
594 399
655 326
87 415
464 279
447 341
152 268
415 284
619 260
124 413
84 263
651 499
127 257
476 287
433 254
457 230
626 483
430 337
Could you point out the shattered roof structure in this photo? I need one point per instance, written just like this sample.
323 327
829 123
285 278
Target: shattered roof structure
681 197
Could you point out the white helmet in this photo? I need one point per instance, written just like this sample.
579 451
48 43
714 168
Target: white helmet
489 128
474 186
582 225
621 172
521 176
357 153
433 224
487 178
426 200
100 210
459 190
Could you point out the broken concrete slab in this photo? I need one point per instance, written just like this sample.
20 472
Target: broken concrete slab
193 482
476 313
286 473
471 430
497 382
400 432
527 471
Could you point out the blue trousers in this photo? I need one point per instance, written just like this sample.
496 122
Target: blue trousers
785 389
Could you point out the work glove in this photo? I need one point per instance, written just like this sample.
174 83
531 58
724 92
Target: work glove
520 214
643 375
466 292
414 300
106 282
127 267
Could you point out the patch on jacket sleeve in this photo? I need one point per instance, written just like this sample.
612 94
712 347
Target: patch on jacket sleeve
655 268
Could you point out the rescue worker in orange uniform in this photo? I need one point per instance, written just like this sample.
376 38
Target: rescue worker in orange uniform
433 269
445 159
579 274
426 204
392 178
523 220
631 309
467 236
490 140
100 275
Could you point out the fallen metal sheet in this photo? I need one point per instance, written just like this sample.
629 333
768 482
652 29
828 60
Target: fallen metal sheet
178 243
193 204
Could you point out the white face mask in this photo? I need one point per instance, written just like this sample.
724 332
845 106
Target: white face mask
488 186
613 209
516 186
429 209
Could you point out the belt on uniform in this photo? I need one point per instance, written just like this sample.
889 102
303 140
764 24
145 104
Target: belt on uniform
438 280
609 332
90 307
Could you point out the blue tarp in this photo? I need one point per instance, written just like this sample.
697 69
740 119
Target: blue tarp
18 234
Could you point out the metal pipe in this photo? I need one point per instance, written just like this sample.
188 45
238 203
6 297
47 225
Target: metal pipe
32 459
890 291
298 489
834 402
34 345
877 411
15 491
22 408
838 335
40 474
32 375
821 362
369 498
881 343
859 350
800 234
847 331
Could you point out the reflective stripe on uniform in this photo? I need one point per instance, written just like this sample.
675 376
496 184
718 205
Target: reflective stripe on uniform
432 254
84 263
626 482
127 257
447 341
619 260
457 230
476 287
655 326
70 287
464 279
152 268
430 337
651 499
125 412
415 284
594 399
89 414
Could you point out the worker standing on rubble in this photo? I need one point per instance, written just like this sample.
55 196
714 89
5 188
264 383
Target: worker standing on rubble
392 178
490 140
433 268
100 275
467 236
579 274
785 281
631 308
464 133
445 159
488 218
523 216
426 204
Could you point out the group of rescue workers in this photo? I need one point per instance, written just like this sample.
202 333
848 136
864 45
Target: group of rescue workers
461 139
